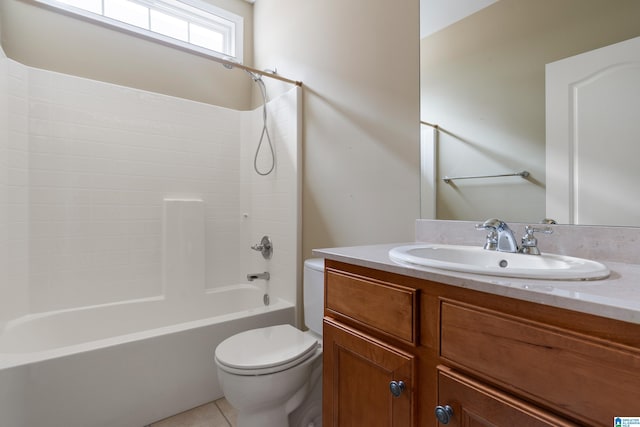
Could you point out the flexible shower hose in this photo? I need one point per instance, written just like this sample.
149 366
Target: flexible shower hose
265 130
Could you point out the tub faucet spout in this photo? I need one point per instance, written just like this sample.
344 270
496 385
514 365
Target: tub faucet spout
253 276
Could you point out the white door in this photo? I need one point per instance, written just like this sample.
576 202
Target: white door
593 136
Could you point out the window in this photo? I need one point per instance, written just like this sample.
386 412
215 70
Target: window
190 24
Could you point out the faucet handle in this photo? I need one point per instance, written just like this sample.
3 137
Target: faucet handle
529 241
530 229
265 246
490 225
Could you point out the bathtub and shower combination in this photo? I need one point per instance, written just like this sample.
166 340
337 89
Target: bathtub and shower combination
124 364
82 349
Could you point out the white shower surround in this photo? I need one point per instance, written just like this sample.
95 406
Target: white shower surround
87 167
84 169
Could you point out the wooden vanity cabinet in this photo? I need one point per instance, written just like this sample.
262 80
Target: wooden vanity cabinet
369 366
476 359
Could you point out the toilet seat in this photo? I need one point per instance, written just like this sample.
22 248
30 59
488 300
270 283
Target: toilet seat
265 350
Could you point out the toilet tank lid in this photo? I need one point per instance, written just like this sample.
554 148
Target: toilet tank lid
315 264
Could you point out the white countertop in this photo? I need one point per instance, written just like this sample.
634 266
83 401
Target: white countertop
617 297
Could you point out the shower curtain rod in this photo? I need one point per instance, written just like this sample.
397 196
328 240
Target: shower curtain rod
231 64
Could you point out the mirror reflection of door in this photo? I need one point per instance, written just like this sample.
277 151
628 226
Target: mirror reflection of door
483 84
593 136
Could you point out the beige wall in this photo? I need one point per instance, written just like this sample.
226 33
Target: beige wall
358 60
359 64
38 37
483 80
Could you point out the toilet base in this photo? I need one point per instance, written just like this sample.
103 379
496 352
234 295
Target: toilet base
309 413
275 417
302 409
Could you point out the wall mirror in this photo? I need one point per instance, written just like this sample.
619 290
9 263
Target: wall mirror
482 98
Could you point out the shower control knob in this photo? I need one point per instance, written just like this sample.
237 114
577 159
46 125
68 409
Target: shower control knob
265 247
397 387
444 414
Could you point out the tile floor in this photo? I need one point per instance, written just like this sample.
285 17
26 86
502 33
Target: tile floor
213 414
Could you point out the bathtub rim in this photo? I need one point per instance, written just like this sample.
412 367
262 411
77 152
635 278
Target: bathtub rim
10 360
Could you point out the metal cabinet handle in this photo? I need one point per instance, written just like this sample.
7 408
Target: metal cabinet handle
444 414
397 387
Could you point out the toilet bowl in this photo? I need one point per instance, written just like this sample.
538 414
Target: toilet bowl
272 375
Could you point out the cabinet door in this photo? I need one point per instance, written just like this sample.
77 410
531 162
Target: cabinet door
472 404
358 374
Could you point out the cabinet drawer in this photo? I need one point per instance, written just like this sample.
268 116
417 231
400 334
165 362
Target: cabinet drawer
387 308
588 379
476 404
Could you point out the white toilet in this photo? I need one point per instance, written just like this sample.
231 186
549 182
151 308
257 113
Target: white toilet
272 376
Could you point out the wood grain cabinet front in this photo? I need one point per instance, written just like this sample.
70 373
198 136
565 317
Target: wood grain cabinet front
588 379
384 307
460 357
366 381
469 403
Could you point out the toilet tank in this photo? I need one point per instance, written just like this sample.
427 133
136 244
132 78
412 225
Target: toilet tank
313 284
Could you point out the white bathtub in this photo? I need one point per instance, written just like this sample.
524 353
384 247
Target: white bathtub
125 364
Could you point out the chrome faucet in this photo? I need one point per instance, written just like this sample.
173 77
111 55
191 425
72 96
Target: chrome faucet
529 241
500 237
253 276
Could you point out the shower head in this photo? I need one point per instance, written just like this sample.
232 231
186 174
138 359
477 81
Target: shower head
227 66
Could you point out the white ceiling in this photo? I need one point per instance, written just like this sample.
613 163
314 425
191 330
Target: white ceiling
438 14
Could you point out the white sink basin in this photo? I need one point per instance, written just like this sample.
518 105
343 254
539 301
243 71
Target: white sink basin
471 259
